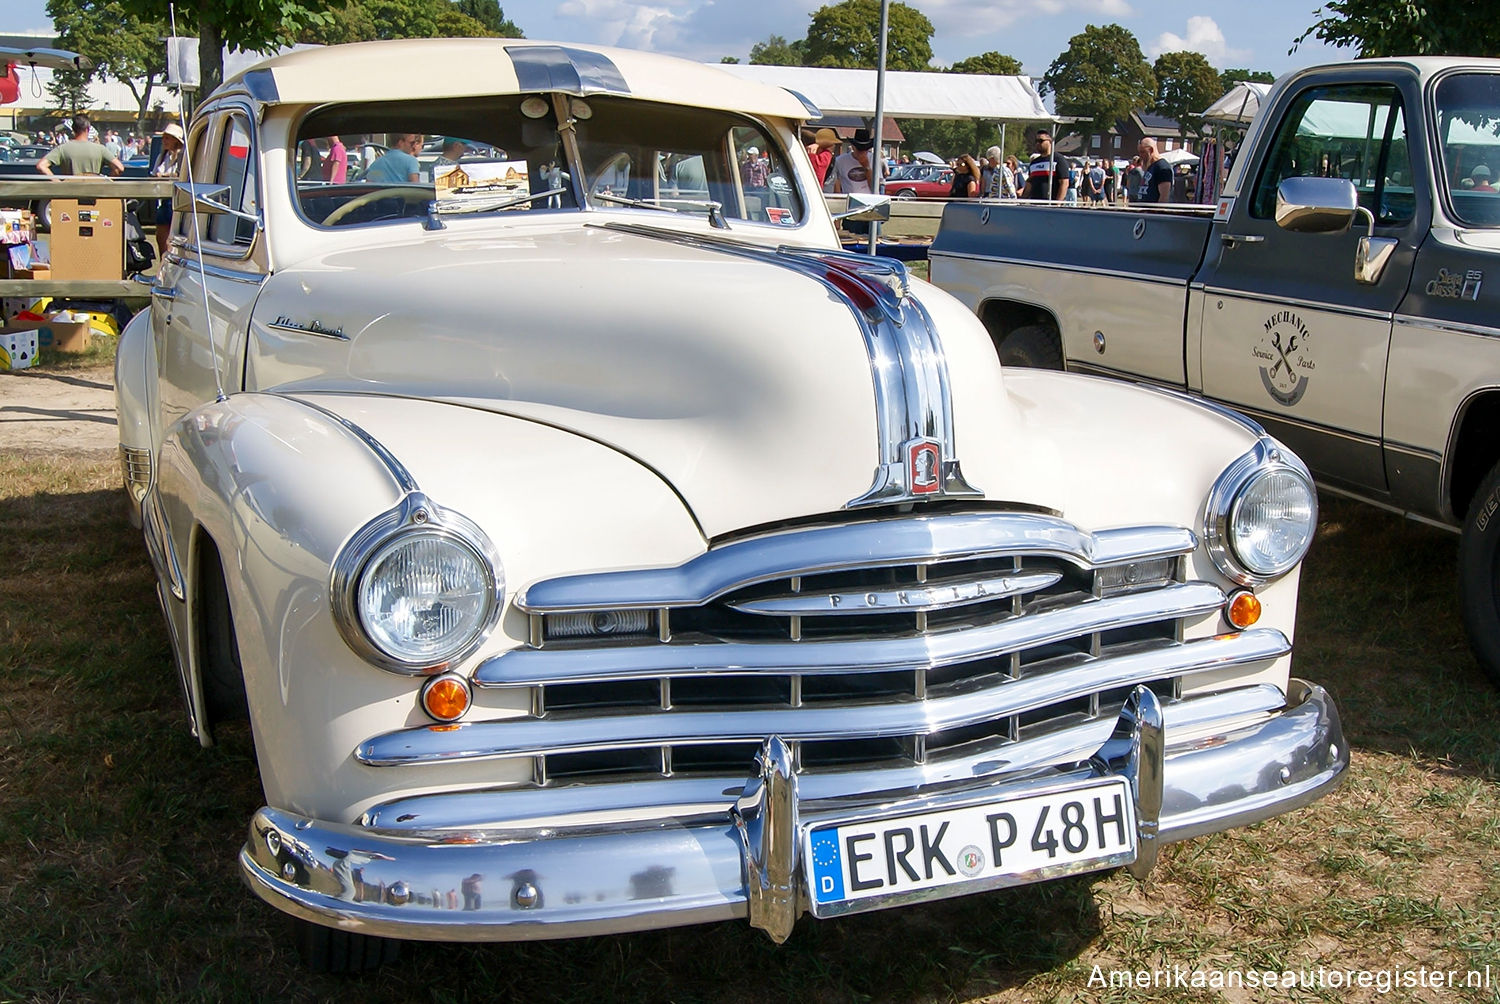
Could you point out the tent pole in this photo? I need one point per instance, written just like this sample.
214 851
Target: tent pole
877 159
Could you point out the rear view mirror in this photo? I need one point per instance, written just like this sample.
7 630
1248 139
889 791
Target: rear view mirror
1316 205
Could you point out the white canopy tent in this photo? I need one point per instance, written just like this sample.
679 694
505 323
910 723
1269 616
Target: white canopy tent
907 94
1238 107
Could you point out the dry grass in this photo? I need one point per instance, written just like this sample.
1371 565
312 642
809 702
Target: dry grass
118 834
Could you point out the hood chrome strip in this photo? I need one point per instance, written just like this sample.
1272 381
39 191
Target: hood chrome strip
913 402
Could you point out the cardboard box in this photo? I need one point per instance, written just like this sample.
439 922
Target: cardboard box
17 349
64 336
88 239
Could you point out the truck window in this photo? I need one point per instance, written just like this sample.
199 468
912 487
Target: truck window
1353 131
1468 121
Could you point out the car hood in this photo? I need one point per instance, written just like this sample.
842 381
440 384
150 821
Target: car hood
746 385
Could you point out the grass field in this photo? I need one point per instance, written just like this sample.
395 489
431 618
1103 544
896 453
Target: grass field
118 834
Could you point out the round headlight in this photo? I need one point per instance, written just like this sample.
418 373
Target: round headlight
1272 520
424 597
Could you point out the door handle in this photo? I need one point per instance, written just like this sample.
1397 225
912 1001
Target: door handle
165 292
1233 239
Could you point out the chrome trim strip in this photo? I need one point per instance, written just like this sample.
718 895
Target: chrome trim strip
567 69
943 595
1327 308
1053 267
529 737
399 474
1416 452
1448 327
159 546
876 543
635 874
908 368
583 804
218 272
1326 430
530 667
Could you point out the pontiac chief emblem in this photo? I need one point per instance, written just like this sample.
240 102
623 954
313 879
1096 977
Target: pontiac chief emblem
924 461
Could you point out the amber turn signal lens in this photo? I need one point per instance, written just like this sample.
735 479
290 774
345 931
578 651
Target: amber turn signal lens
1243 609
446 698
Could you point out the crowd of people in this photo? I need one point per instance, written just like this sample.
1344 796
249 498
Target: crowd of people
1046 176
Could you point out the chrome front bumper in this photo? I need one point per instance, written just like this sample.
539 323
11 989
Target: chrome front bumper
513 883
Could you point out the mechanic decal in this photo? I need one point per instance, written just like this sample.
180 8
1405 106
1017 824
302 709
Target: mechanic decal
1284 352
1453 286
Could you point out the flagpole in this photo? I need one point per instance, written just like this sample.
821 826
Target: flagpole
877 158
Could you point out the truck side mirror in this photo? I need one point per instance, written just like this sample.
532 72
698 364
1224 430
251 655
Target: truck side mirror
1329 206
1316 205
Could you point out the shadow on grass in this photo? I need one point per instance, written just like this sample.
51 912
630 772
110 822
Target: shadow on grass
1378 624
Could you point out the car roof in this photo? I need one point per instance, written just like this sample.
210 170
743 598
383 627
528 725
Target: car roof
415 68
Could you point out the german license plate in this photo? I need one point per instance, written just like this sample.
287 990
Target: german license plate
1015 840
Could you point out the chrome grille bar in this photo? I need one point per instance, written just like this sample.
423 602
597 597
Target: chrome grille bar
942 595
528 667
844 547
530 737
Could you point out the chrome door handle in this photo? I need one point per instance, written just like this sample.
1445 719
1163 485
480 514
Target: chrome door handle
165 292
1233 239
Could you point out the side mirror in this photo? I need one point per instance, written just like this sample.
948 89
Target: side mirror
876 208
1316 205
201 197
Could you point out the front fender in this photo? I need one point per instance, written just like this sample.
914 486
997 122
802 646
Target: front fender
281 483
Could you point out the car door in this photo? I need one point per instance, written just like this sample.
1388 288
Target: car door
204 288
1287 334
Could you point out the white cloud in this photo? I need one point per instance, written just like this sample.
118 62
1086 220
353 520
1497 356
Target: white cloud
1203 36
965 17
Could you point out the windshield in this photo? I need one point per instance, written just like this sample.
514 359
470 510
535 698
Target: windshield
359 164
1468 122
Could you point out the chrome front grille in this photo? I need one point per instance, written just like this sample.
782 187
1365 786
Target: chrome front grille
135 469
867 646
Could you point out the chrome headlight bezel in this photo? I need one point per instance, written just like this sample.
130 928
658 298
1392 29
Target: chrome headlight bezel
1265 458
414 515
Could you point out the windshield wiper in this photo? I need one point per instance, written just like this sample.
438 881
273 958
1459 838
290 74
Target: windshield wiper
715 210
481 204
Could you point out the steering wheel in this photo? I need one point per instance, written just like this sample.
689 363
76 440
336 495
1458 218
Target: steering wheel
360 201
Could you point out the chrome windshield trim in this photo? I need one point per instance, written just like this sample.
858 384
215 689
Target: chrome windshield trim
908 368
941 595
686 797
529 666
876 543
531 737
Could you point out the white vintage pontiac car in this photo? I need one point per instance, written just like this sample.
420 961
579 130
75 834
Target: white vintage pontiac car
595 547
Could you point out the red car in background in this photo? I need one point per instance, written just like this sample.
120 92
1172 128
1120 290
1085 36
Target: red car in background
920 181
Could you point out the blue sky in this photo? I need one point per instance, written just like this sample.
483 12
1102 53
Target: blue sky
1254 35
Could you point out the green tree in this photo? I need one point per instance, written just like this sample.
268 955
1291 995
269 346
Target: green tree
369 20
242 24
1228 78
490 14
70 90
1101 78
777 51
1185 85
996 63
848 35
1407 27
121 45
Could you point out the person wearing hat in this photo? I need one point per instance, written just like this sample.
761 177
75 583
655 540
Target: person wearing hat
1481 176
167 164
852 171
820 146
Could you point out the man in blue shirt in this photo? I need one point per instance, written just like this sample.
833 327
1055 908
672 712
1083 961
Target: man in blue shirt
399 164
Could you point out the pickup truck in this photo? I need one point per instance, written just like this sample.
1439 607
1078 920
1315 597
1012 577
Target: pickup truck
1335 293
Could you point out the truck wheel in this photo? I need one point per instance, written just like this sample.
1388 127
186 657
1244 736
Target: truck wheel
327 950
1479 575
1033 346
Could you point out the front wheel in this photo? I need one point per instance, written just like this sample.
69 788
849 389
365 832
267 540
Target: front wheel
1479 575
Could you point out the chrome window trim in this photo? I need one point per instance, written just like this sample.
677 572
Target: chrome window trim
872 543
698 796
231 252
178 257
415 513
531 667
513 738
1266 455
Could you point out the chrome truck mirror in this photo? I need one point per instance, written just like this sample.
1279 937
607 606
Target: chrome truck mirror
1329 206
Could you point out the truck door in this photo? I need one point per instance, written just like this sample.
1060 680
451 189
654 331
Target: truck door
1287 333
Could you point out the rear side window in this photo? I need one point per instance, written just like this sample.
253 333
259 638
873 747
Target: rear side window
1352 131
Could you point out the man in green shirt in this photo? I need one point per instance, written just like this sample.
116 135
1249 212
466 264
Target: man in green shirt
80 155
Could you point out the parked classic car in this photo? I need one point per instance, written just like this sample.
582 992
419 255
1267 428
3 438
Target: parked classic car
920 181
590 556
